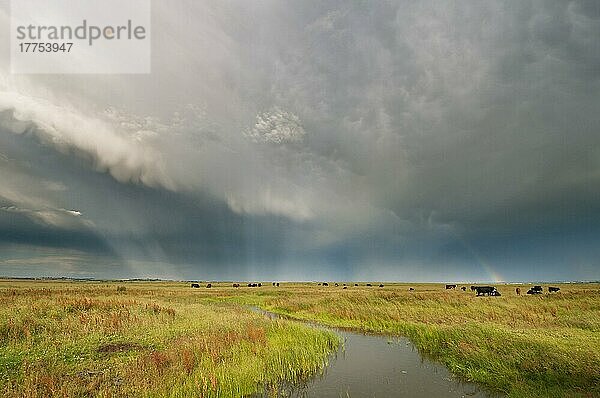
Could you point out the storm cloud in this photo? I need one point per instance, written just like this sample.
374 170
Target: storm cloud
304 140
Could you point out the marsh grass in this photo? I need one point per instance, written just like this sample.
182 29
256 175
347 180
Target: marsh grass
524 346
166 339
92 339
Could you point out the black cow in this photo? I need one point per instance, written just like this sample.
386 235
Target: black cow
553 289
273 283
486 290
473 288
536 290
336 284
412 289
260 284
208 286
236 285
195 285
277 284
249 284
464 289
381 285
345 287
450 286
369 285
356 284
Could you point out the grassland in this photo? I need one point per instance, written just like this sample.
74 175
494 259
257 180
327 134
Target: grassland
524 346
166 339
92 339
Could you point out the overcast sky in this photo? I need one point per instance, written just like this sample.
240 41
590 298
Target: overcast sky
315 140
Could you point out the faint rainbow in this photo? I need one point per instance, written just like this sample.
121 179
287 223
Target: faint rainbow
483 263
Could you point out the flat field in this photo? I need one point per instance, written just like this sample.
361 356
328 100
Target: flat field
524 346
81 339
165 338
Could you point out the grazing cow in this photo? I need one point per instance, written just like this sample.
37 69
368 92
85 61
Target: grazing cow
473 288
356 284
325 284
209 286
450 286
412 289
336 284
319 284
369 285
518 291
381 285
277 284
249 284
485 290
195 285
236 285
260 284
553 289
345 287
464 289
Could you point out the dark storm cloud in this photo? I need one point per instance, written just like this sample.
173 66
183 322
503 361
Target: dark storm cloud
17 230
148 231
420 140
479 114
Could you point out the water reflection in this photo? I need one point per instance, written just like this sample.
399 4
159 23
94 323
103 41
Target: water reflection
379 366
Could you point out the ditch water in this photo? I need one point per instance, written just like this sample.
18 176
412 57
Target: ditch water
379 366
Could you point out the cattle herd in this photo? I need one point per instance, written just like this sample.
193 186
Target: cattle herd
479 290
276 284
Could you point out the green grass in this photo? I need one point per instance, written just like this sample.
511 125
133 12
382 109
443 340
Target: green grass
86 339
166 339
523 346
